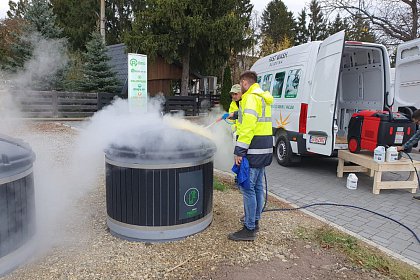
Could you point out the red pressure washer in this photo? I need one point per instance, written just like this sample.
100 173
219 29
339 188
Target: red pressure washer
369 129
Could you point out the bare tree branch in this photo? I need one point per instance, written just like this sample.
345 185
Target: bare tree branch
396 19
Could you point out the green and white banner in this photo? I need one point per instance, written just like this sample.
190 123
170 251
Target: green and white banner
137 82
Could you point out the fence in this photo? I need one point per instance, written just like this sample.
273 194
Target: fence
191 105
61 104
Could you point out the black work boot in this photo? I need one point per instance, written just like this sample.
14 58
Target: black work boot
243 235
257 227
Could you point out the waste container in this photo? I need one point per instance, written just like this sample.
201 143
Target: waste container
160 192
17 201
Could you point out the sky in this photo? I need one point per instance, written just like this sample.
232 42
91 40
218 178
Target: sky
293 5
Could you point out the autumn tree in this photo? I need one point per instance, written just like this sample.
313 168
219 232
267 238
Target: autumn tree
268 46
360 30
36 22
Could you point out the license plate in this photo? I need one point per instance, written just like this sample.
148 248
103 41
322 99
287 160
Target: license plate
321 140
399 136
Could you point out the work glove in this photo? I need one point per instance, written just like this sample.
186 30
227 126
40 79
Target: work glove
225 116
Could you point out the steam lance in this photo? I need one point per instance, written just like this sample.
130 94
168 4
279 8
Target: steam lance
223 117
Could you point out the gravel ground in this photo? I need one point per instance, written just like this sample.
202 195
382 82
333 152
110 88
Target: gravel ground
84 248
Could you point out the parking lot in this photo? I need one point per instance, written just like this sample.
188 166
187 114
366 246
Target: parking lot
315 180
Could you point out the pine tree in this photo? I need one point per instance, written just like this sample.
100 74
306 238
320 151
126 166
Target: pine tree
337 25
302 32
277 22
225 98
38 23
119 18
188 31
97 74
317 24
17 10
42 19
78 20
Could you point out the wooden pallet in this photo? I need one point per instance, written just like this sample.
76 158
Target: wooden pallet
365 163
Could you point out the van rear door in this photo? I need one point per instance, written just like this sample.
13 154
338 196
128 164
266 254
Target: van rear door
321 107
407 78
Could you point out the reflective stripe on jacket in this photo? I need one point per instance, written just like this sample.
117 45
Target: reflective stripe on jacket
254 131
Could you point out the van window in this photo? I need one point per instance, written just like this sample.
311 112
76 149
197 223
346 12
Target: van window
292 83
267 82
415 51
278 84
259 80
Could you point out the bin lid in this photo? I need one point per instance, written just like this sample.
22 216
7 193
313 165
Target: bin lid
161 146
15 156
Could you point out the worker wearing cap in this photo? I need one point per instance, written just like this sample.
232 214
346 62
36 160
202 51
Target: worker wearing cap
255 146
236 94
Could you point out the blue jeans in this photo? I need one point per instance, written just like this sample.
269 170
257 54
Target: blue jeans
253 197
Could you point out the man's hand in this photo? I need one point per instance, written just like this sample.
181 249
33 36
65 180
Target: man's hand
400 148
225 116
238 160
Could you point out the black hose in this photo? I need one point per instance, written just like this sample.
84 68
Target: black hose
345 205
339 205
415 169
266 191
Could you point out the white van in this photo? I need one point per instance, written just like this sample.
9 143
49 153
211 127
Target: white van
405 79
317 87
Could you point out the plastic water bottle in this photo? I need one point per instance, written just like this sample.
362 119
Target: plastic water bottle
352 181
379 154
391 154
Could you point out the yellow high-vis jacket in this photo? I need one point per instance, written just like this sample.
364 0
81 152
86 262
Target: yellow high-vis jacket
233 108
255 133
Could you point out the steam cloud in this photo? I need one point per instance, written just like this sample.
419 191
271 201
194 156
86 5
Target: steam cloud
61 179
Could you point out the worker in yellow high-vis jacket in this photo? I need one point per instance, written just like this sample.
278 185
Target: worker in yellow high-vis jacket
236 94
255 142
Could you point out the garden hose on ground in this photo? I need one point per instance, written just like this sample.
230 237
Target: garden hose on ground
417 174
338 205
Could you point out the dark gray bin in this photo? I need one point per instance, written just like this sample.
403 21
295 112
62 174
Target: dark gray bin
17 201
160 192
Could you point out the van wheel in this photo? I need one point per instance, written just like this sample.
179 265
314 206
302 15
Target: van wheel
354 145
283 151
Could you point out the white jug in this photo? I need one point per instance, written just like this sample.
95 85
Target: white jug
391 154
379 154
352 181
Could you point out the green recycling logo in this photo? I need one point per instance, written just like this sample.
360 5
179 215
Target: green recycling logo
191 197
133 62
